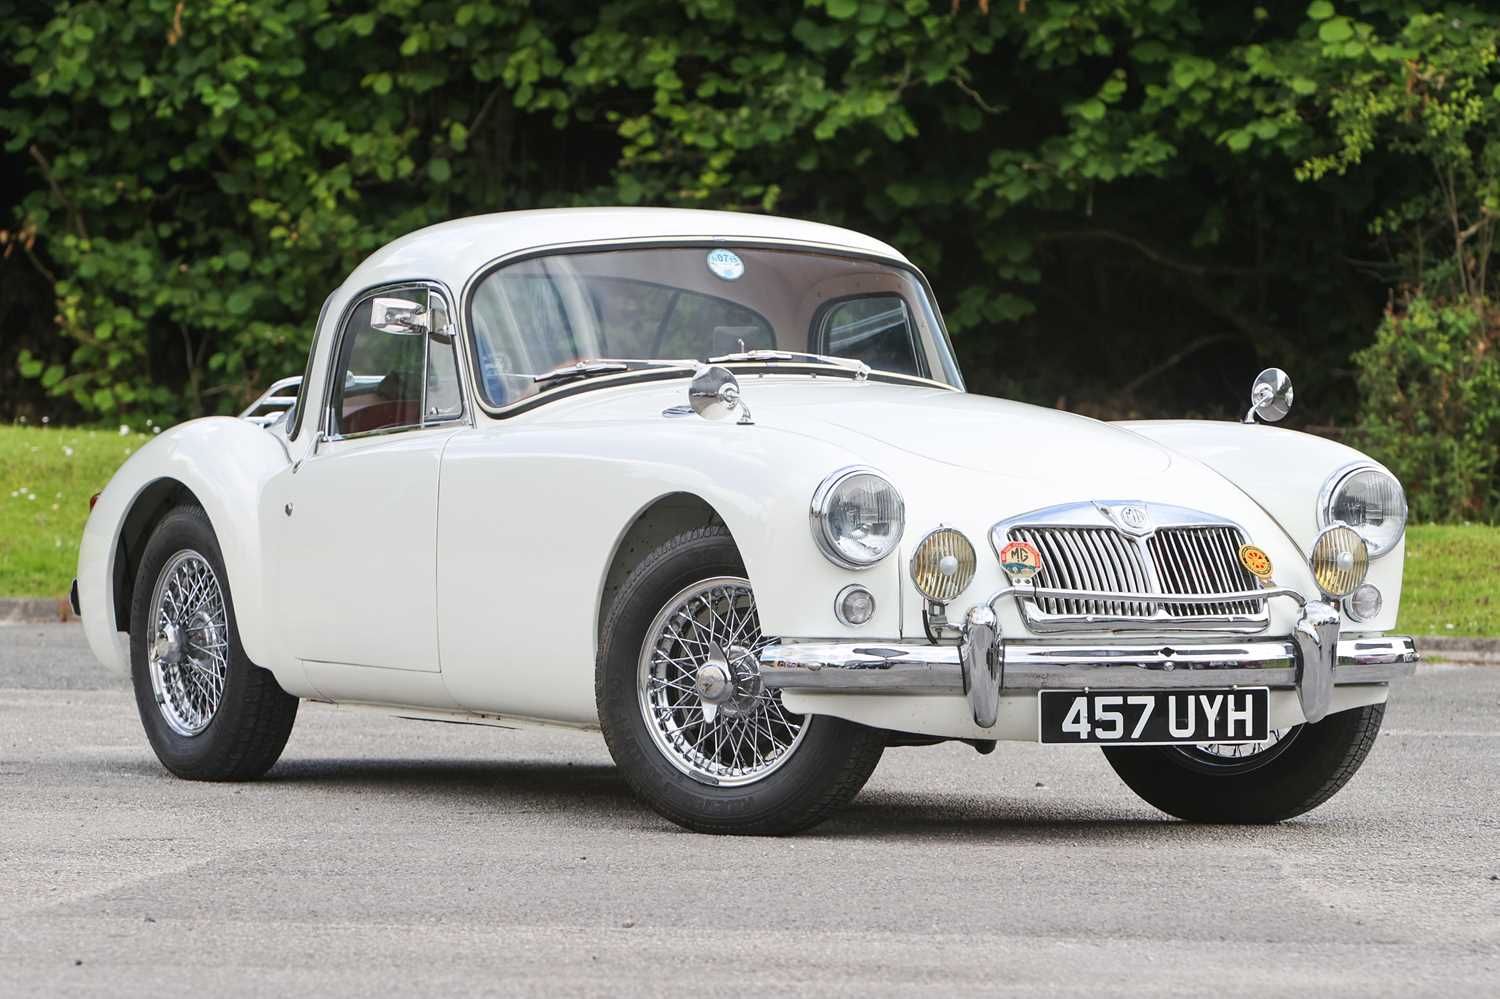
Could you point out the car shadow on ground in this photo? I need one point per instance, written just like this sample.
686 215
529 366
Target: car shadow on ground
596 790
894 816
587 783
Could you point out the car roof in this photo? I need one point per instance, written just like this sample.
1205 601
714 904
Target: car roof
452 251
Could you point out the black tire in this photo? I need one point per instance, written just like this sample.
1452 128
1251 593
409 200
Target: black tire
824 772
1310 770
254 717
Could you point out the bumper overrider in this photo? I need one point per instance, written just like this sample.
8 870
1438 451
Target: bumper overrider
983 663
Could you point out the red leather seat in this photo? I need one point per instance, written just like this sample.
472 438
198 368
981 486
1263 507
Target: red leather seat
382 415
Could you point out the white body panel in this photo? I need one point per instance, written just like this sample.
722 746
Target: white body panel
463 568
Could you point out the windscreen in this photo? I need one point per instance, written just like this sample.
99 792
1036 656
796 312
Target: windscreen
696 303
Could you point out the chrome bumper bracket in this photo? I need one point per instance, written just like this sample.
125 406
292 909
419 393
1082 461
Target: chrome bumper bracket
981 657
1317 638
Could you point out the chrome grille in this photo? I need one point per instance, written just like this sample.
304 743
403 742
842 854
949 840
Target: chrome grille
1202 560
1088 558
1183 559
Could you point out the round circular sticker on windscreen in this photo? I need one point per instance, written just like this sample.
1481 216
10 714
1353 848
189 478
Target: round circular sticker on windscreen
726 264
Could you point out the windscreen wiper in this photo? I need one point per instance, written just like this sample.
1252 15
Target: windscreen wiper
589 368
860 368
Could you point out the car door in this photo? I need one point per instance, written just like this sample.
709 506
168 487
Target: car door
355 545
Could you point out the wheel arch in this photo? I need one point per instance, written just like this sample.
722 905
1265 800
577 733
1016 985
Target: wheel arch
159 498
663 518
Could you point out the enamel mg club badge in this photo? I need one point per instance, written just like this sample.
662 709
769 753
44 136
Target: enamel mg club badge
1256 562
1021 561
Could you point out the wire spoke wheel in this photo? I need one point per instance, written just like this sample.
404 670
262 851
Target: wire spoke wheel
700 691
1238 757
188 646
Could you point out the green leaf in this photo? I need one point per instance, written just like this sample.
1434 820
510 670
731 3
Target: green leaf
1092 109
1336 30
440 170
842 9
240 301
237 259
1320 10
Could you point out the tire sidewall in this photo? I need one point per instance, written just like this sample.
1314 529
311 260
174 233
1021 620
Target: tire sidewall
186 528
1311 770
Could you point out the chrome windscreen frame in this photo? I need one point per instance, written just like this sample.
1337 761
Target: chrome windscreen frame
1112 514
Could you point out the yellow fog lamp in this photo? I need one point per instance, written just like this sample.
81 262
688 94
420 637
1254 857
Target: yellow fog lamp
943 565
1340 560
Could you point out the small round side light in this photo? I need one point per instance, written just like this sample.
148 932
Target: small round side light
1364 603
854 605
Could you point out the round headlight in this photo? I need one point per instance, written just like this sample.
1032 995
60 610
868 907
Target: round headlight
857 517
943 565
1369 500
1340 559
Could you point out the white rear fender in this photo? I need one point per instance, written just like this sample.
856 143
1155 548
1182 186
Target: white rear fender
222 464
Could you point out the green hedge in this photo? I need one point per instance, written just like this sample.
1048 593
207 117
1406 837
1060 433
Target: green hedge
1126 208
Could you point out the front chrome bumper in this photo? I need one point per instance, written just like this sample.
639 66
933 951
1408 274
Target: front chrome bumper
983 664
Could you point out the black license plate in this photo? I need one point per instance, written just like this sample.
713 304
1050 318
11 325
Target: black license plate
1154 717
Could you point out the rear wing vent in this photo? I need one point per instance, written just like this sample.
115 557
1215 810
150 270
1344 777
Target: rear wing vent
275 401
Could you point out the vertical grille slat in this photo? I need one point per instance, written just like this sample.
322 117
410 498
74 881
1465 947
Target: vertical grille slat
1190 560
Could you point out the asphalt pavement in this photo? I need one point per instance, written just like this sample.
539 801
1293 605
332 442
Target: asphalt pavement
383 856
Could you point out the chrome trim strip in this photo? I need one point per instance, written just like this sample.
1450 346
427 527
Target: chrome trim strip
862 667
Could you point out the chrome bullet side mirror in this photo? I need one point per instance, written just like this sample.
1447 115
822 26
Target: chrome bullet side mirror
714 394
1270 396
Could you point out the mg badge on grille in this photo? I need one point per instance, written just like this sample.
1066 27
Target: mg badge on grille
1021 561
1132 518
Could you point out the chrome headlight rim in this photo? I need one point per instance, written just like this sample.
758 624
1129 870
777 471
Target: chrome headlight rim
817 516
1330 490
916 553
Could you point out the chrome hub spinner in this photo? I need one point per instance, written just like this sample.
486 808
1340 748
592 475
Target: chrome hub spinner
168 646
714 683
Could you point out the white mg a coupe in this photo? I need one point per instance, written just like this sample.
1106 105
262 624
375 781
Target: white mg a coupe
711 483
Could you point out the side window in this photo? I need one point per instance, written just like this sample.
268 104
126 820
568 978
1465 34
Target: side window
384 377
876 329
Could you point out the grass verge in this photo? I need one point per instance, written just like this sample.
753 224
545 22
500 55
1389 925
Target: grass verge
1452 584
46 478
1452 581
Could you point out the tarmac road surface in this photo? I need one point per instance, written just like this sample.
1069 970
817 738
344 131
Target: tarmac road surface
388 856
